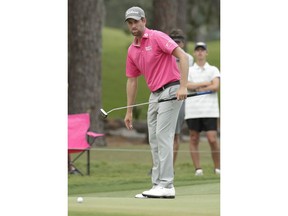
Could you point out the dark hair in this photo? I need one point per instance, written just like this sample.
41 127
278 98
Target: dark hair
177 34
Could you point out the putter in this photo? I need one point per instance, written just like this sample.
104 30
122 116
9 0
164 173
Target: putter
104 114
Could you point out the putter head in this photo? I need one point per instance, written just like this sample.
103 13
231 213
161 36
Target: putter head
103 114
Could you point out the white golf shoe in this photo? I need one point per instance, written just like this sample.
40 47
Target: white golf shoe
160 192
140 196
199 172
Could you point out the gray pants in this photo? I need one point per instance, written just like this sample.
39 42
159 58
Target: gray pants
162 118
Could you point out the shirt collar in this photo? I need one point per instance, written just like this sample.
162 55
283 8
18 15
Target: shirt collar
206 65
145 35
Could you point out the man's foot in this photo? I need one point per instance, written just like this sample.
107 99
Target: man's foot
199 172
160 192
217 171
140 196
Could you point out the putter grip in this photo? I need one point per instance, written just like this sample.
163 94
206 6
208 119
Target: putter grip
189 95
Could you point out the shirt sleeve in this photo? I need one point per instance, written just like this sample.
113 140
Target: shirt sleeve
216 72
131 69
191 60
165 43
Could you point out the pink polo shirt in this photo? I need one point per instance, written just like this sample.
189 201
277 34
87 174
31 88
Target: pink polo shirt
154 59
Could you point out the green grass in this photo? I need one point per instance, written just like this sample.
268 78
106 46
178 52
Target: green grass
200 200
119 172
115 44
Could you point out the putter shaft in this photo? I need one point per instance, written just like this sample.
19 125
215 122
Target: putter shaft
105 114
124 107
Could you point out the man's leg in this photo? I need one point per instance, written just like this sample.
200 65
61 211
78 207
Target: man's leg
163 116
166 123
161 137
215 149
175 147
163 171
152 124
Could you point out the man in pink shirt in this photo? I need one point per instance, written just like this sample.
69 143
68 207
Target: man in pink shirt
152 54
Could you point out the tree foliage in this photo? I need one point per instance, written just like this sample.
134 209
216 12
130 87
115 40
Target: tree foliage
199 19
203 20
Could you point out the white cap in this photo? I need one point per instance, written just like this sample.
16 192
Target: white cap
200 44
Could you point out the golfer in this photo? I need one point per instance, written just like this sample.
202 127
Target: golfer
152 54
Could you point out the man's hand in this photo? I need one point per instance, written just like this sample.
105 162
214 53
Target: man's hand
128 120
181 93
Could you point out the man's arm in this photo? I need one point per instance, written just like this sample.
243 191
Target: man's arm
183 67
194 85
131 89
214 86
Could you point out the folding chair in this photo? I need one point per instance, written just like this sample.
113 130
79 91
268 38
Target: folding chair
80 138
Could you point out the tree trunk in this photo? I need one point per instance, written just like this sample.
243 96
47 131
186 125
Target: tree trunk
165 15
85 21
181 20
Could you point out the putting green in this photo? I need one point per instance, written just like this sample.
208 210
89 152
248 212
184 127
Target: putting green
200 200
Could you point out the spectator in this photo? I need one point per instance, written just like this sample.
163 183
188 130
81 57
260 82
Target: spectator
178 36
202 112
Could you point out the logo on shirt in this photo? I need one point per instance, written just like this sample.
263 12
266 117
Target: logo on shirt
169 43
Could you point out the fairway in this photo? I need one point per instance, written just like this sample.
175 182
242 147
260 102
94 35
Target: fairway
200 200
